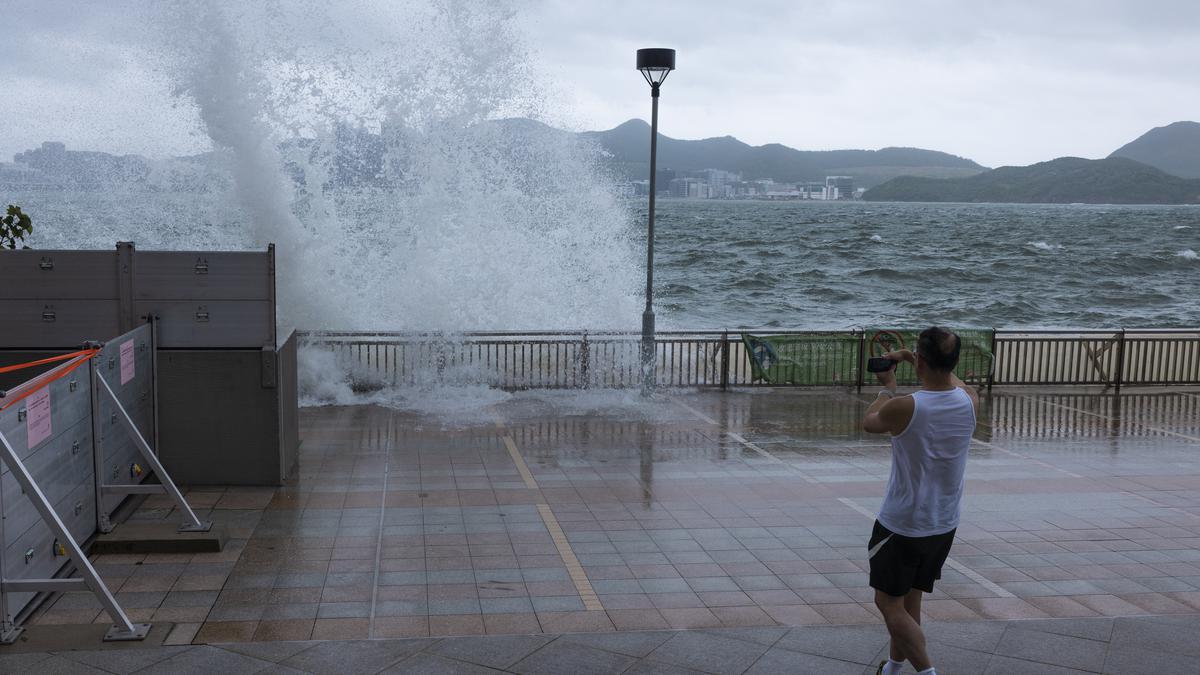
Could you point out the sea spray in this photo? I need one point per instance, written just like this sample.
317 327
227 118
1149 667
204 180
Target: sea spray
467 222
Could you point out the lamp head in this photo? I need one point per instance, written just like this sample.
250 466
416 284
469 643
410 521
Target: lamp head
655 65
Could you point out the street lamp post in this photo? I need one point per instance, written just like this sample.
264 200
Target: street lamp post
655 65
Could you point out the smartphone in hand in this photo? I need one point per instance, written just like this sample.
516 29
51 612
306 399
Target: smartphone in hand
879 364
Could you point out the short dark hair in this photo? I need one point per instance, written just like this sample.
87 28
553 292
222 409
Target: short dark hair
939 348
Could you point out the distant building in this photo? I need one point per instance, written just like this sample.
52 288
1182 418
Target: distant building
839 187
82 167
812 190
20 175
662 179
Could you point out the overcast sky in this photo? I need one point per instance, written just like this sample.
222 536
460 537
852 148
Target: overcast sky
1001 82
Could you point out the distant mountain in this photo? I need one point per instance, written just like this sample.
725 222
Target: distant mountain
1174 148
1066 180
629 145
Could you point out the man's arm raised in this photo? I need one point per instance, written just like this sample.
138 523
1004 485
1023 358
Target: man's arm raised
888 415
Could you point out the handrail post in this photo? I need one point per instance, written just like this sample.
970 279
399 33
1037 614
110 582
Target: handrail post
1120 374
725 360
991 377
859 366
585 357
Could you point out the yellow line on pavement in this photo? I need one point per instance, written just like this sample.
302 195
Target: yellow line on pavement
591 601
522 468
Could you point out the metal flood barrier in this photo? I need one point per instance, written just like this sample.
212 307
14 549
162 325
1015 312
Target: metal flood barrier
226 375
575 359
75 442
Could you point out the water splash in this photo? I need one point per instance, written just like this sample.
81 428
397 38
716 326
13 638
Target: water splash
1187 254
1043 246
369 141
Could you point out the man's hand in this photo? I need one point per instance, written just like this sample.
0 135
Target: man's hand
888 377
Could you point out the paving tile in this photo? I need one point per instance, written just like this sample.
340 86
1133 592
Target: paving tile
784 662
269 651
1157 635
456 624
340 657
508 624
795 615
1059 650
400 627
226 631
203 660
565 657
574 622
491 651
1129 660
742 616
1091 629
708 652
630 643
1003 665
58 665
842 613
113 660
692 617
283 629
1003 608
637 619
340 629
430 664
857 644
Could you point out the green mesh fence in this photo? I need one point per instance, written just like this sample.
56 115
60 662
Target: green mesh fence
833 358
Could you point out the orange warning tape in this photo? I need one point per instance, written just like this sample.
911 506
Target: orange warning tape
85 353
42 362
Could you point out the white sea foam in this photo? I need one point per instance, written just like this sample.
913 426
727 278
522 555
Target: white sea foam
876 238
1182 227
1043 246
1187 254
469 223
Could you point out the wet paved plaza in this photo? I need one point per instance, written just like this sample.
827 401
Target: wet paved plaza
743 513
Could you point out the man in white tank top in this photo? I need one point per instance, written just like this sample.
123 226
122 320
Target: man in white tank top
931 431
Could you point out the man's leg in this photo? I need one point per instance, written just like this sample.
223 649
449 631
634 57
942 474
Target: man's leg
912 605
908 641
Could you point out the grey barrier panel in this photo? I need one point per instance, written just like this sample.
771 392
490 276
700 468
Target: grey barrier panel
50 275
289 406
125 364
59 299
200 275
212 324
64 470
222 414
41 324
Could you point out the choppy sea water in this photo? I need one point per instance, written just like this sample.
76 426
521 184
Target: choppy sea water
746 265
835 265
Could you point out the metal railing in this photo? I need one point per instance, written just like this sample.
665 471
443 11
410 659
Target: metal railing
610 359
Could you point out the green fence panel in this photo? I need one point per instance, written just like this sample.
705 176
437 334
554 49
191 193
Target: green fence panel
813 359
974 361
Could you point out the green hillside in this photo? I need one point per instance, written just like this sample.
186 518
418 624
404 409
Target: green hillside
629 147
1066 180
1174 148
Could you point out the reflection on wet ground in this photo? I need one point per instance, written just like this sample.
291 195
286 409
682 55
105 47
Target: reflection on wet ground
578 512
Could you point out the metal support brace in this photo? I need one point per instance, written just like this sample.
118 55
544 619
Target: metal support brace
123 628
190 522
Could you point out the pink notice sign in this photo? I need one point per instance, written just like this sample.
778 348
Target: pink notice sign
37 417
127 369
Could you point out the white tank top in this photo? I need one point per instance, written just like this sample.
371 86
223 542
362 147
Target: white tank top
929 459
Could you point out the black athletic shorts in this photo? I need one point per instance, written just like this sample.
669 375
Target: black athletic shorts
900 564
